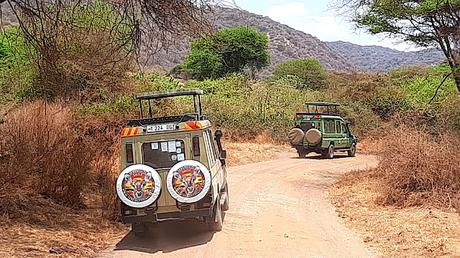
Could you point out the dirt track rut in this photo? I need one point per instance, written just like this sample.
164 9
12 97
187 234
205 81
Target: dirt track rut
278 208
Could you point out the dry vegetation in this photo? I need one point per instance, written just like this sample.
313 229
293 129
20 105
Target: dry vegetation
406 206
59 171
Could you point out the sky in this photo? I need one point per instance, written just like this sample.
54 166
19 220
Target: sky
320 19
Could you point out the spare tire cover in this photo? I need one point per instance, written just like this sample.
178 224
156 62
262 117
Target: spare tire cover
138 186
188 181
296 136
313 136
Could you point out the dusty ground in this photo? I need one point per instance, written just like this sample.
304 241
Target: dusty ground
252 152
409 232
32 226
279 208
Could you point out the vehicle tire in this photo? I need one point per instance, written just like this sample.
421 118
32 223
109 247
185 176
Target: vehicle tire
302 152
296 136
216 220
140 230
329 153
352 151
226 205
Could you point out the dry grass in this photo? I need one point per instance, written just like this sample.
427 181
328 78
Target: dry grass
396 232
419 169
41 151
32 226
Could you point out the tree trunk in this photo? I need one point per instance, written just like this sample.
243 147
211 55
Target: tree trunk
456 74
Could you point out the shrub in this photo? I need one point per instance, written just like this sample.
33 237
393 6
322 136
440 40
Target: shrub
41 152
415 167
309 72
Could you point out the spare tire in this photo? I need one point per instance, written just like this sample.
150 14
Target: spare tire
313 136
296 136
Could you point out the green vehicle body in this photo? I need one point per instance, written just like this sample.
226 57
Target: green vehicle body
334 132
192 137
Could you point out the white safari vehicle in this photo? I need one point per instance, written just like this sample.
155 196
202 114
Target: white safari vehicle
173 167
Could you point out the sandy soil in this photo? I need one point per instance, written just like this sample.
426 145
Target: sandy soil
279 208
395 232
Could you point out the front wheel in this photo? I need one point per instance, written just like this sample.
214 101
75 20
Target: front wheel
352 151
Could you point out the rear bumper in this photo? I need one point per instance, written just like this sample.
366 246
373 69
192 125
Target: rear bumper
157 217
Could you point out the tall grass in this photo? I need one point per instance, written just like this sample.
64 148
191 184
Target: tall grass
417 167
42 153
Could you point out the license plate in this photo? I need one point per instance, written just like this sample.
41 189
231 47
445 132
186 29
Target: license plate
160 128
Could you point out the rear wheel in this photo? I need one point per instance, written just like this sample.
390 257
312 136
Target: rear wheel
216 220
329 153
140 229
352 151
226 204
301 152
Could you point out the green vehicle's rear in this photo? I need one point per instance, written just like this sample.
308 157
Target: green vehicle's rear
321 130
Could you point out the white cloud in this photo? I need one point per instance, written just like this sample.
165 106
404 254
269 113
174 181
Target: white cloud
293 9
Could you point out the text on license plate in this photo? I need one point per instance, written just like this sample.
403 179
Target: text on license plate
159 128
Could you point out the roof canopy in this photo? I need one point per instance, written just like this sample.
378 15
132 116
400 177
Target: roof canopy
168 94
322 104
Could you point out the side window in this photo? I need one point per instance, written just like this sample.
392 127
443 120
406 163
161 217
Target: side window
209 148
344 129
338 126
329 126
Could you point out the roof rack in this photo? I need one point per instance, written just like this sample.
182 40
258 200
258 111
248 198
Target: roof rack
321 108
146 107
168 94
322 104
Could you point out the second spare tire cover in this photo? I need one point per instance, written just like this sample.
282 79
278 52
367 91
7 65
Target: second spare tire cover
313 136
296 136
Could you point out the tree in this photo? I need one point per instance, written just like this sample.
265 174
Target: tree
88 45
310 72
422 22
227 51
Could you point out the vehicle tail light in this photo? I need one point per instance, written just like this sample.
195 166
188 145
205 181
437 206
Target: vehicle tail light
317 116
129 153
196 145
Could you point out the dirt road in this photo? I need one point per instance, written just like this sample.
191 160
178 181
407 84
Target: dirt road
278 208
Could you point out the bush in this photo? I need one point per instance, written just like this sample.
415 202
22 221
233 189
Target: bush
43 153
309 72
415 167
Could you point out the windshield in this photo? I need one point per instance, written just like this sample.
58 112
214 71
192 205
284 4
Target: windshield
163 154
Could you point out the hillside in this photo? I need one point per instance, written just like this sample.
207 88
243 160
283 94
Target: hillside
285 42
377 58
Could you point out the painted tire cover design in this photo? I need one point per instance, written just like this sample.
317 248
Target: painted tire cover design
138 186
188 181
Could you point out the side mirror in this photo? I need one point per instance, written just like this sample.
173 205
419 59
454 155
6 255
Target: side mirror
223 154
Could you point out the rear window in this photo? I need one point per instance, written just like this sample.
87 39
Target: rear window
163 154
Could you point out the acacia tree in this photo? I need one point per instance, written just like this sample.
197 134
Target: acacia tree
230 50
423 22
84 44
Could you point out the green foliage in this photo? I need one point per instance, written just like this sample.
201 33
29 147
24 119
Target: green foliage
17 70
306 73
420 84
228 51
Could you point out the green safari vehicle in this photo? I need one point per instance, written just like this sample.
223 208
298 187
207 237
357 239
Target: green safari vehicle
321 130
173 167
